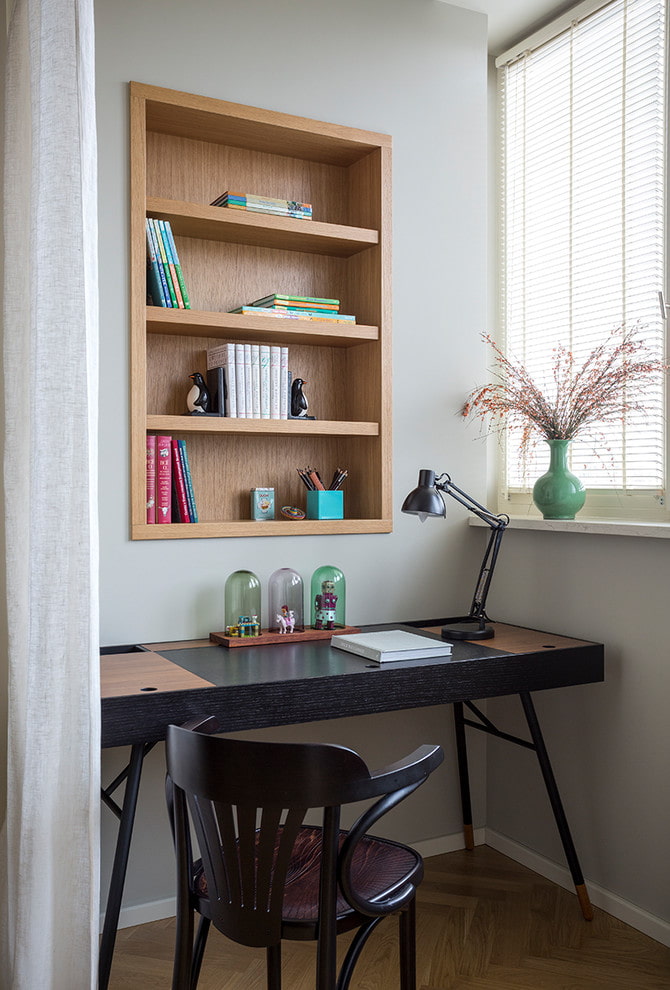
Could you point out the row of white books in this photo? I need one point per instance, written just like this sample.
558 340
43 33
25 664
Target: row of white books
249 381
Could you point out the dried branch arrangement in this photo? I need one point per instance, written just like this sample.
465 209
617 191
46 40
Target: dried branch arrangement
574 396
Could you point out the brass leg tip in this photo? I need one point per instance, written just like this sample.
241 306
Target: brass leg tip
584 901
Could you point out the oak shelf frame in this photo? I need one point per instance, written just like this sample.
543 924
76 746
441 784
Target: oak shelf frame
185 150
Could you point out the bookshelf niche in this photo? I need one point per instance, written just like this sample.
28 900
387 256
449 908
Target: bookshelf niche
185 151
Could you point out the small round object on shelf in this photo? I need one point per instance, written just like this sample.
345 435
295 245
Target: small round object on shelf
292 512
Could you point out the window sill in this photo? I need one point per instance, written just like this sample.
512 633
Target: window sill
603 527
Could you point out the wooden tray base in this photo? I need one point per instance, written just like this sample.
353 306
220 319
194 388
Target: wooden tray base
268 638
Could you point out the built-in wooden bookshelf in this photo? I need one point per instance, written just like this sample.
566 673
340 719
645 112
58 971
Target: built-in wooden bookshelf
185 151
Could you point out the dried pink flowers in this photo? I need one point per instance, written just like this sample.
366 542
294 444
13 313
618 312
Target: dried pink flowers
595 393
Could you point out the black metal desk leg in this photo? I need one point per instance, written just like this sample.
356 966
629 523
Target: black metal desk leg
463 776
557 806
120 865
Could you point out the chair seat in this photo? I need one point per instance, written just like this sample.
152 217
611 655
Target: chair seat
379 867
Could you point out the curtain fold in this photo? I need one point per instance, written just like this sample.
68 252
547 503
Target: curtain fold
49 873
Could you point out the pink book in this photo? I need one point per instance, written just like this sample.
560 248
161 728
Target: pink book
151 478
163 479
179 483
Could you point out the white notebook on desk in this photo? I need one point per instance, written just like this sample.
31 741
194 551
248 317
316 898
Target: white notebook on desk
391 644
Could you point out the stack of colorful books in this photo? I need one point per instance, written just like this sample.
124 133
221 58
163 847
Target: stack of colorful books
296 308
264 204
170 496
165 282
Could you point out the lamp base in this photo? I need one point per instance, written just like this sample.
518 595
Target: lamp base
466 627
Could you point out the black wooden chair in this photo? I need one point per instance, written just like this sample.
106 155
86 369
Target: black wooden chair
263 875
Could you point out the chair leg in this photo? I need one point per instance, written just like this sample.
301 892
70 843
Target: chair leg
199 950
407 935
183 949
354 951
273 963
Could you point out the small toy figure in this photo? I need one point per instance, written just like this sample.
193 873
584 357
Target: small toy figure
298 399
249 626
197 400
286 620
325 604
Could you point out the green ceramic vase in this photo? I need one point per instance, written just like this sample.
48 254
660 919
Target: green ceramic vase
558 494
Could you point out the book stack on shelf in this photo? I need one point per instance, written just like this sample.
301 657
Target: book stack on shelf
165 281
296 308
249 381
264 204
170 496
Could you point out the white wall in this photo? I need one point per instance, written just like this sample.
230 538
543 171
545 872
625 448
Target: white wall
415 70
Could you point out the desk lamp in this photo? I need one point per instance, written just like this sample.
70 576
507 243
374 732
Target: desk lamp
426 500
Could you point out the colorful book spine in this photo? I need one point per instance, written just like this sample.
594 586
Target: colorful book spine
164 262
179 484
275 365
190 495
177 265
151 478
282 297
283 379
163 479
239 382
170 262
167 301
154 284
265 380
256 381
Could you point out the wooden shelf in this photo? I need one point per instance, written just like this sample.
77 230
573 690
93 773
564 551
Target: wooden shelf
275 527
185 151
190 322
217 223
287 427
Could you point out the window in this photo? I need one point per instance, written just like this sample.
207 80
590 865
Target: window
582 111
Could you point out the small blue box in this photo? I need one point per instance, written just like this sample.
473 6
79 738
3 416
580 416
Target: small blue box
325 505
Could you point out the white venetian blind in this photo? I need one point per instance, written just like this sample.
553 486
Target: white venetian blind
583 211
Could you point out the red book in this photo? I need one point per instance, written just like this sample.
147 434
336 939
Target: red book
163 479
151 478
179 484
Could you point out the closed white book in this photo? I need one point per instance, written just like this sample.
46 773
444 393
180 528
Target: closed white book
391 644
256 381
239 382
275 362
265 380
248 401
283 378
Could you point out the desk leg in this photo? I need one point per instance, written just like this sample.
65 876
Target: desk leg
463 776
120 864
557 806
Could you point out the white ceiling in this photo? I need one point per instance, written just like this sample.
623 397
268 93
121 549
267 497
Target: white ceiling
512 20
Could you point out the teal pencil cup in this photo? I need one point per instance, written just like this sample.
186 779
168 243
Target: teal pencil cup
325 505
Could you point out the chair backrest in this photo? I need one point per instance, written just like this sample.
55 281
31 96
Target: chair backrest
247 801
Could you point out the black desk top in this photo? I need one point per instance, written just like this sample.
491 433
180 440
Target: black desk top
260 686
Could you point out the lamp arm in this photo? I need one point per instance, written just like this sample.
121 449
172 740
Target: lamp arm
478 606
445 484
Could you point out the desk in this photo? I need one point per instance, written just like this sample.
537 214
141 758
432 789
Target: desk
146 688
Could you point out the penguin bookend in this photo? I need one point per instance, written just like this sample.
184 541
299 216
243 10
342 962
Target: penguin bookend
197 400
298 401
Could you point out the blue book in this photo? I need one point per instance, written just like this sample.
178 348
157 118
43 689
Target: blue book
154 283
167 299
177 265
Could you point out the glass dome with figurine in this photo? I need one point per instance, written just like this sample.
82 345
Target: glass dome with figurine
328 594
286 602
242 604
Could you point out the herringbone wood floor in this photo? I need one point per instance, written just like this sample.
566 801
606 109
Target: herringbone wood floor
483 923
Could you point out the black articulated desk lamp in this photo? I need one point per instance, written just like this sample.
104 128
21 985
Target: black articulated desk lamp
426 500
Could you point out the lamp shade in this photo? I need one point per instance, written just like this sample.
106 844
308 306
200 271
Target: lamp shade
425 500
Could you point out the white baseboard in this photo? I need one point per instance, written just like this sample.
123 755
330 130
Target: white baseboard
630 914
615 905
142 914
